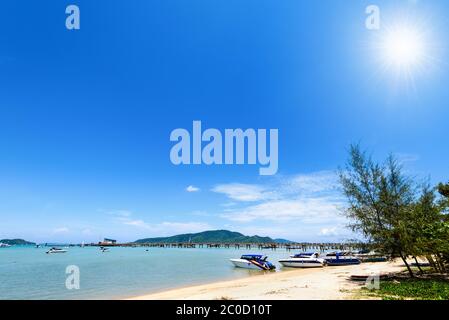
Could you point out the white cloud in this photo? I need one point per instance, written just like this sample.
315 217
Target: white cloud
323 181
163 228
183 227
61 230
243 192
332 231
403 158
306 198
136 223
192 189
308 210
118 213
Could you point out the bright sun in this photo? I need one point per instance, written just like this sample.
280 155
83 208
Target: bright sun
405 51
403 47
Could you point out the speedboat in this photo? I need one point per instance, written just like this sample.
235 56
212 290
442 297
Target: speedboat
56 250
340 258
370 256
253 261
4 245
303 260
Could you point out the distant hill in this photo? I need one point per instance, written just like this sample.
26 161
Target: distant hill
19 242
215 236
283 241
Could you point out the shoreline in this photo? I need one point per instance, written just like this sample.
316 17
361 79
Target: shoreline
328 283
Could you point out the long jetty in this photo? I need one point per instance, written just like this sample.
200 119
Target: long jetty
260 246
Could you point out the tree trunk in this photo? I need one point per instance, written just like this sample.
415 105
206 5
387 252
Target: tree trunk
441 263
433 264
417 264
407 265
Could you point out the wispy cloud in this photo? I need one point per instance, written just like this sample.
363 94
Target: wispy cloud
192 189
183 227
118 213
290 204
308 210
404 158
61 230
162 228
316 182
136 223
243 192
332 231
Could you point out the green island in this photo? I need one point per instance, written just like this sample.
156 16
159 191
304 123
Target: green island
17 242
216 236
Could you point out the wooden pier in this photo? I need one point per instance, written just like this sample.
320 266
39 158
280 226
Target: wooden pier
320 247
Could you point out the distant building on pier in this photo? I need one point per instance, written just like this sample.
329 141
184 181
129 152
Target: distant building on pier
107 242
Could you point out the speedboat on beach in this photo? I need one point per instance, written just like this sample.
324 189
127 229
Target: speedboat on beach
56 250
303 260
370 256
340 259
253 261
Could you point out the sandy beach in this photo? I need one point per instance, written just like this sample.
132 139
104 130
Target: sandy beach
329 283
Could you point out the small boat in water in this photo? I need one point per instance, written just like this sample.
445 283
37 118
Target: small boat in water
340 259
253 261
4 245
56 250
303 260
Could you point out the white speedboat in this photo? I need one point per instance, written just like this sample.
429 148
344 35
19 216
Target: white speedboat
4 245
341 258
253 261
56 250
303 260
370 256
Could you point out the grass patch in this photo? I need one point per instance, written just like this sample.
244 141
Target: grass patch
421 289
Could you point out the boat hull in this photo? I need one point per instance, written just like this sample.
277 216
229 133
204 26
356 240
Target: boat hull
56 251
342 262
245 264
302 263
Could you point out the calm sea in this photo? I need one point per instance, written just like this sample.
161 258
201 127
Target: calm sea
30 273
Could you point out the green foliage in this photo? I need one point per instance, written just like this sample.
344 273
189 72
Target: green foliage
443 189
393 213
380 199
424 289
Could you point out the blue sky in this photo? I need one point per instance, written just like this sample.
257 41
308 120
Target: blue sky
86 115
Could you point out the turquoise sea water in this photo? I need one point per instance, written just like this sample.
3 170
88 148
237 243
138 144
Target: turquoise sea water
30 273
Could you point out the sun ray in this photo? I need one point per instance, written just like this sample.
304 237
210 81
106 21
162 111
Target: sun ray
404 50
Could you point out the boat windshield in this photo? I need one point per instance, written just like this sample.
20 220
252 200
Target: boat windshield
300 255
253 257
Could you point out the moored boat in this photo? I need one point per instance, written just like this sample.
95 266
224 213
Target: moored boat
303 260
253 261
340 259
56 250
370 256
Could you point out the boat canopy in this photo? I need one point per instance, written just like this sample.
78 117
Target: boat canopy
253 257
306 254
